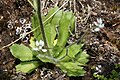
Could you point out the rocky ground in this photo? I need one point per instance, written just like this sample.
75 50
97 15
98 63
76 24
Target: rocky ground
103 46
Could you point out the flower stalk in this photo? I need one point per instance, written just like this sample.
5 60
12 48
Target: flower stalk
41 25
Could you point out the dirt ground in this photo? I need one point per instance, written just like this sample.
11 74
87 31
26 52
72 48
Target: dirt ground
102 46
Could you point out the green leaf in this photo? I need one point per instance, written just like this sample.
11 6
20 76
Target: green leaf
69 53
63 30
45 58
35 5
55 42
62 55
72 24
71 60
50 34
51 11
35 25
82 57
27 67
21 52
57 17
32 42
56 50
73 50
63 33
72 68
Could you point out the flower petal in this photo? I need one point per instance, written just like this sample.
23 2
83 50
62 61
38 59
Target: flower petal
97 29
28 25
40 47
37 43
101 25
99 20
18 30
22 20
41 43
44 50
96 23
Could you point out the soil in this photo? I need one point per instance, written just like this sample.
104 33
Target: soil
102 46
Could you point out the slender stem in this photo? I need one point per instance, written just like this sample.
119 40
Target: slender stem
41 24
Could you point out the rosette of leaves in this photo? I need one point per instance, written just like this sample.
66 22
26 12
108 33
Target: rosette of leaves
70 58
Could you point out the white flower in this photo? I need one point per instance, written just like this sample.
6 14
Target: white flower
97 29
23 35
28 25
22 20
99 20
18 30
98 68
41 43
37 43
99 24
44 50
39 46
